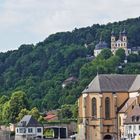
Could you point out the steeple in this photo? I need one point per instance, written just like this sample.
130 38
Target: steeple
113 36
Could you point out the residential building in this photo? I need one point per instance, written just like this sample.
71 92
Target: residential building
27 128
132 124
123 113
69 81
100 103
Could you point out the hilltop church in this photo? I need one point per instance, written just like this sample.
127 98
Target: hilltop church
121 42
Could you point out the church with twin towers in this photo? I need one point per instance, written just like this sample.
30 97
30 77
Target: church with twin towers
116 43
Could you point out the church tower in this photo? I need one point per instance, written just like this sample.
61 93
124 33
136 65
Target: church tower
124 39
113 42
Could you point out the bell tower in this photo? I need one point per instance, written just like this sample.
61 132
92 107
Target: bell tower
124 38
113 40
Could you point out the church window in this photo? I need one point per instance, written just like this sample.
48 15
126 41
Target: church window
124 44
107 108
94 107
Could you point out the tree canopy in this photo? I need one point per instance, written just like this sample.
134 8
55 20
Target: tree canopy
32 76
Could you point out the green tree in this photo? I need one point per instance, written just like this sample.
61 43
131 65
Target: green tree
35 113
22 113
65 112
17 102
121 53
105 54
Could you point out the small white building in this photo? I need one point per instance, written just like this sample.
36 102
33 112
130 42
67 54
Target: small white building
132 125
27 128
99 47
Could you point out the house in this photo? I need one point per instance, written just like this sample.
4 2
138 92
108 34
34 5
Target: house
100 103
27 128
132 124
69 81
123 113
51 116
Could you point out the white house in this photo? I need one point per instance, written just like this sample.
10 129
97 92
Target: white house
28 127
132 125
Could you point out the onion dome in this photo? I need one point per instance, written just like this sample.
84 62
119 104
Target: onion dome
112 33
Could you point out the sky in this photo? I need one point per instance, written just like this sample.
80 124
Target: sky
31 21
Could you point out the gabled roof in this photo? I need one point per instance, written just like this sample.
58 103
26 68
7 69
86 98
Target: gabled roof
129 102
134 113
136 84
110 83
28 121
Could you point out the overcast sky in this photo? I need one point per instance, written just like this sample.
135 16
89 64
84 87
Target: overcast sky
31 21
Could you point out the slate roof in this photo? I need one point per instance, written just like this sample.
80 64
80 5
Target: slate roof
136 84
112 83
134 113
28 121
101 45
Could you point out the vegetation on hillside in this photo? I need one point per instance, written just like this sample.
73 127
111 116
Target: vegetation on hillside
39 70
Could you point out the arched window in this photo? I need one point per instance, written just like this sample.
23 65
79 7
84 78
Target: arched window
107 108
94 108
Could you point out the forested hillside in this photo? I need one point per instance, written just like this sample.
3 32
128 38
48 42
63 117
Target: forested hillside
39 70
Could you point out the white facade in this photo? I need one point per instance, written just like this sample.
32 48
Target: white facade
132 132
97 52
29 131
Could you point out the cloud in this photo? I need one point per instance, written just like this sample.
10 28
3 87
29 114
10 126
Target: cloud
36 19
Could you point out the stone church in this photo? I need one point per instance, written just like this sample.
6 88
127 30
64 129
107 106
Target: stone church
100 103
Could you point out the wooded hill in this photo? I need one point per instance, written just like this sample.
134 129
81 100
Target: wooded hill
39 70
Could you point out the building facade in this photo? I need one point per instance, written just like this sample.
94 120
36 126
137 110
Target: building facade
28 128
100 103
121 42
132 124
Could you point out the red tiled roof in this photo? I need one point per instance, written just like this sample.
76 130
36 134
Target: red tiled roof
50 116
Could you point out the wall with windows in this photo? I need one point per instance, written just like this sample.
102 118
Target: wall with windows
131 131
36 131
